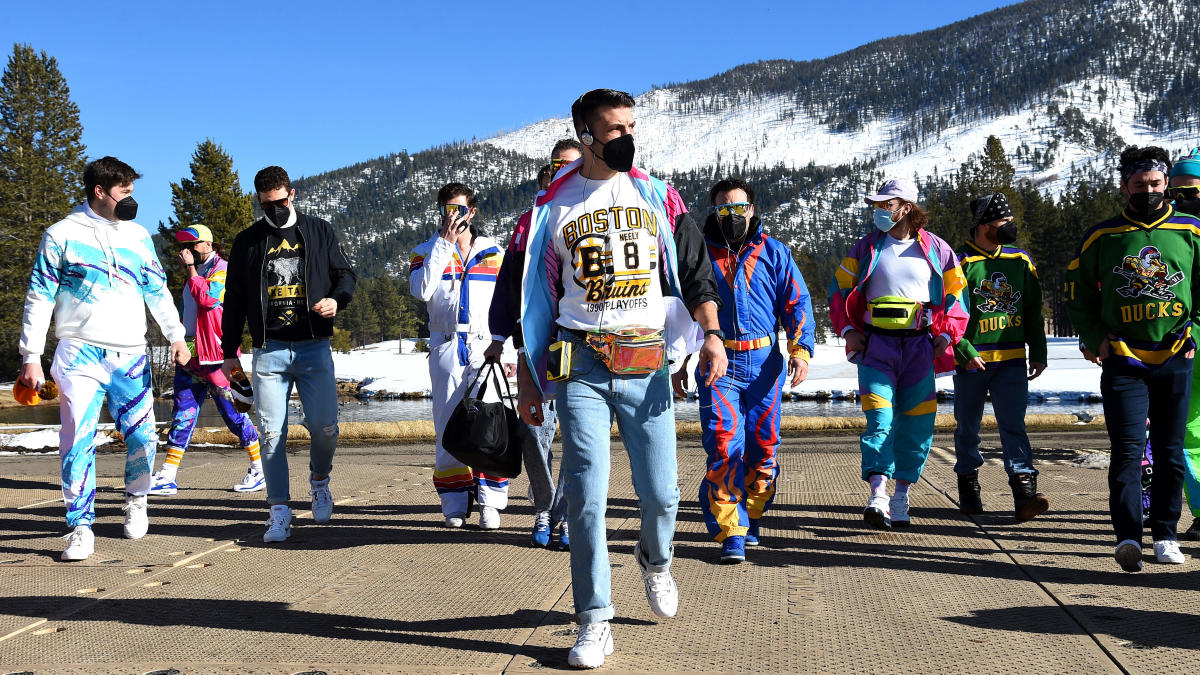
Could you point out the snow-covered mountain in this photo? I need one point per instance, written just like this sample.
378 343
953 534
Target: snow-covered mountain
1064 86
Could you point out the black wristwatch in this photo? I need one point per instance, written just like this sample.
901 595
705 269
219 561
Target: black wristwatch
718 332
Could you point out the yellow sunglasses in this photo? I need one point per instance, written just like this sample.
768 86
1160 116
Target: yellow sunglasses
736 208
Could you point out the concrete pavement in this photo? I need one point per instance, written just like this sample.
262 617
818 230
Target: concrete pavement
385 588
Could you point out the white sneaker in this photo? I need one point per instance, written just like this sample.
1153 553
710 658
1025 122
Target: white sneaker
81 543
661 591
878 512
489 518
136 521
253 481
322 500
1167 551
898 507
279 525
1129 555
594 643
454 521
161 485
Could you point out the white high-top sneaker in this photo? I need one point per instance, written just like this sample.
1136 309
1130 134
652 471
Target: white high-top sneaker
279 526
661 591
136 520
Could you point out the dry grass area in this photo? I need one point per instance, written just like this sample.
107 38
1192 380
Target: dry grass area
423 430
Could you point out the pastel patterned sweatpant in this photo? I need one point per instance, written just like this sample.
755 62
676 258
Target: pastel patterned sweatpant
193 385
86 375
895 381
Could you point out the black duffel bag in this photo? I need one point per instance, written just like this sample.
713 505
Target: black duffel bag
488 437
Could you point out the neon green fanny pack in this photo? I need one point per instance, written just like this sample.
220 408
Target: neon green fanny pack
890 312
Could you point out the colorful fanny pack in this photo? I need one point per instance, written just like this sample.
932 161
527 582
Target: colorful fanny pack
890 312
633 350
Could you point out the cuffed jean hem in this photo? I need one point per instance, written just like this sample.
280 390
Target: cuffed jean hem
594 615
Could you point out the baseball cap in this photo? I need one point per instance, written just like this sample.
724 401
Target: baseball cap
194 233
894 188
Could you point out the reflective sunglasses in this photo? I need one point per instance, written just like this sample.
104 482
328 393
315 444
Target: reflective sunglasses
1185 192
454 210
886 206
737 208
556 164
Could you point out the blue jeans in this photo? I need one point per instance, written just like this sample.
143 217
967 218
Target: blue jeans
1131 397
547 495
308 365
1010 394
644 410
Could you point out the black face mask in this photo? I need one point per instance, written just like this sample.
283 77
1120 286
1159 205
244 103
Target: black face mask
733 227
1189 206
278 215
1006 233
1145 203
126 209
618 153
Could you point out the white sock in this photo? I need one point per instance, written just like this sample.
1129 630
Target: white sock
902 488
167 472
878 483
256 465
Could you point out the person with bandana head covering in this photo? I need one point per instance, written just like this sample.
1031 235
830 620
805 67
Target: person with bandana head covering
1005 301
1184 189
760 287
897 300
1129 295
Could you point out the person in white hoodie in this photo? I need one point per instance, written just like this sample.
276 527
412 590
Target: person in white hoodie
454 273
96 272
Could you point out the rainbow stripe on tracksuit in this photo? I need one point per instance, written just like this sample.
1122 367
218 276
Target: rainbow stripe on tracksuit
759 286
896 374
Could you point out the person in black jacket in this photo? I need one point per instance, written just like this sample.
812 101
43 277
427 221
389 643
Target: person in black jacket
288 277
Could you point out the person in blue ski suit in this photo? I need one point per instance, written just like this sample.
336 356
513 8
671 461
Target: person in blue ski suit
760 288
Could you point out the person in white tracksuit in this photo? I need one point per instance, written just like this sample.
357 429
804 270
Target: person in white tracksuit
454 273
96 274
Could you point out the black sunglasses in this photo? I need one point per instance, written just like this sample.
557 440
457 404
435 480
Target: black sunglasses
280 203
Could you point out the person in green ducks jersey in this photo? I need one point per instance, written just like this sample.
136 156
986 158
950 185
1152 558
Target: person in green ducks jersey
1129 296
1005 301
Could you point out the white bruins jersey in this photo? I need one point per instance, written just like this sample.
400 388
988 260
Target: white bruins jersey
606 239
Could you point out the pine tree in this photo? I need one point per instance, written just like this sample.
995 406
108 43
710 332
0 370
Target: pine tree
388 307
212 197
41 171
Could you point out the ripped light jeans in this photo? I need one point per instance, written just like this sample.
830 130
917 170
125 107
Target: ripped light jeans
307 364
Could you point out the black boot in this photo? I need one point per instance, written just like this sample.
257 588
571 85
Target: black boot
968 494
1028 503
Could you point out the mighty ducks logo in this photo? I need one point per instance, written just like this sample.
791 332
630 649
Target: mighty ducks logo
998 295
1147 275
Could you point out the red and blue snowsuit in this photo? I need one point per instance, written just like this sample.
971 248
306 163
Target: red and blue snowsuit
760 287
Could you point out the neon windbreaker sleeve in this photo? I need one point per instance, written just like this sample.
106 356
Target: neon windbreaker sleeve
795 309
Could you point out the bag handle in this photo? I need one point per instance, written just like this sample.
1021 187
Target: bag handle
490 370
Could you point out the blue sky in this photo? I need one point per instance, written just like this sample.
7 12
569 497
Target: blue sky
314 86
